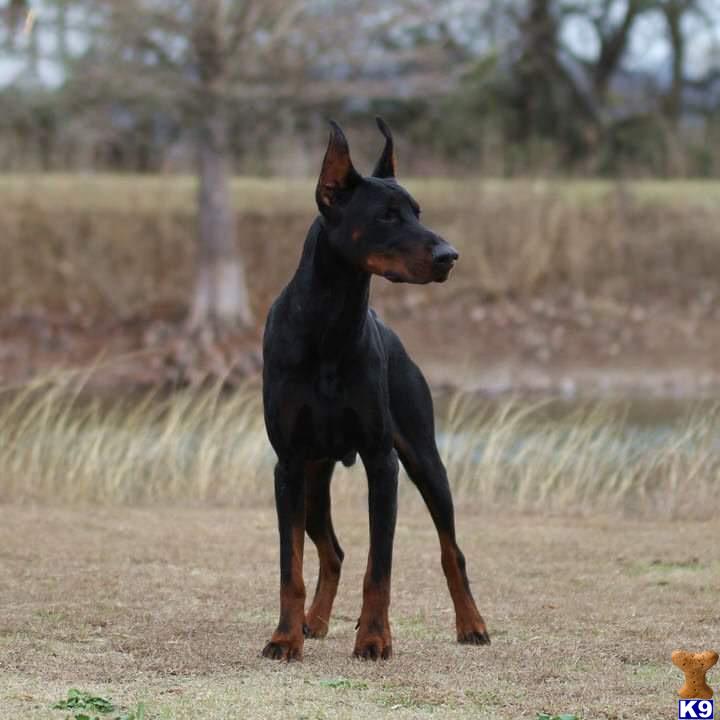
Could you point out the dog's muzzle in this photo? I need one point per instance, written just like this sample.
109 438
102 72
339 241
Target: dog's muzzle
443 261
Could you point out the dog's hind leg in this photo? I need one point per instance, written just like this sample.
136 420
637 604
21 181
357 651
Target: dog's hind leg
318 523
414 439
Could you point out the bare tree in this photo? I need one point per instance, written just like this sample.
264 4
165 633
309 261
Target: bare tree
676 13
221 294
190 59
613 37
614 22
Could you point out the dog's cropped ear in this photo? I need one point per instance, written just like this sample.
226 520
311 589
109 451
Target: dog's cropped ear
385 167
338 178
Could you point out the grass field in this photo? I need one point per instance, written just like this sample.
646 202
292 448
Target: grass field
270 195
170 607
138 558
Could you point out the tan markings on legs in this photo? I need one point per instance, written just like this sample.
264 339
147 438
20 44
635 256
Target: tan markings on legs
470 625
317 618
373 640
288 639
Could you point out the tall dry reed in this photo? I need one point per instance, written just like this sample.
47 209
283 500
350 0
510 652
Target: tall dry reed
205 445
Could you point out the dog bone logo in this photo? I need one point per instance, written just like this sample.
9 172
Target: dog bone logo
695 666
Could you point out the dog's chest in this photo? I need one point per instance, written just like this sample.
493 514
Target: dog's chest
331 410
329 385
338 413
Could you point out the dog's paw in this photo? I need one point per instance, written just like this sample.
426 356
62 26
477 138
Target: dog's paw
474 637
471 629
373 647
283 650
315 628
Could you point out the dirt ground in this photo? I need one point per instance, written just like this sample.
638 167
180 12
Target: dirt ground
559 343
172 606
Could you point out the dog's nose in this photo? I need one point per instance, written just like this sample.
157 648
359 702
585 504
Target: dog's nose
445 255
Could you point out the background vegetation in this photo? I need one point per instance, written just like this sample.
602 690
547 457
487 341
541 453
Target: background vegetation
510 87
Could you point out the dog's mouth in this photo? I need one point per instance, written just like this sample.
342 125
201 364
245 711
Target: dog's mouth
409 270
441 271
396 277
438 274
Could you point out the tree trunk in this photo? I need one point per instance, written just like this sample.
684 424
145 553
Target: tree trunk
673 103
612 48
220 298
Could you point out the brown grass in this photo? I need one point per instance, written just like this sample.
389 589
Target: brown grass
171 607
111 247
201 445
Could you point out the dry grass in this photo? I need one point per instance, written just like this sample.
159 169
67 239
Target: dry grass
112 246
187 446
134 193
170 607
203 445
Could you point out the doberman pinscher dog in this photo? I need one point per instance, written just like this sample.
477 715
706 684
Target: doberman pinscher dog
336 383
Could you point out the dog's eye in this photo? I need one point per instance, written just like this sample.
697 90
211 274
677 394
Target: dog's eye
391 215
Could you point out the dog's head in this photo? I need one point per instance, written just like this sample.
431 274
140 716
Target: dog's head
373 222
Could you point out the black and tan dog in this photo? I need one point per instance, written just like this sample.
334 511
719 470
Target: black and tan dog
338 382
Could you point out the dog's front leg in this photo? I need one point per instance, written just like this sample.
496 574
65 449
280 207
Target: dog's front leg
287 640
373 638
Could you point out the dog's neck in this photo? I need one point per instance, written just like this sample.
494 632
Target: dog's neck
338 291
